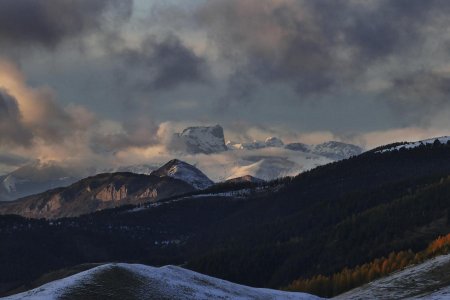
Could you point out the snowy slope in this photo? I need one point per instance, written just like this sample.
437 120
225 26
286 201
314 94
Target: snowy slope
266 168
134 281
266 163
429 280
442 140
271 163
180 170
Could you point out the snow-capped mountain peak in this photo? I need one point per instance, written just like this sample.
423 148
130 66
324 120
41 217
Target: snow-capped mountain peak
203 139
188 173
274 142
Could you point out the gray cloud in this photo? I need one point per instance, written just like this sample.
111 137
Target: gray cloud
163 63
54 123
12 130
314 46
140 132
419 95
48 22
306 65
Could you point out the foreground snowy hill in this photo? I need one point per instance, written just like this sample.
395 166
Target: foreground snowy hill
429 280
134 281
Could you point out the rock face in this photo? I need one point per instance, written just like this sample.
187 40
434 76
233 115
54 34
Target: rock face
183 171
110 193
96 193
205 140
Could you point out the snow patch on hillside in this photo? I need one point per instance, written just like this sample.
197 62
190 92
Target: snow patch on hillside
442 140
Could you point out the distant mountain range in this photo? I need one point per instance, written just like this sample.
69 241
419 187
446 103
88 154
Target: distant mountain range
266 160
332 149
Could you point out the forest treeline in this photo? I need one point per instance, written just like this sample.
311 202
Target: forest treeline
349 278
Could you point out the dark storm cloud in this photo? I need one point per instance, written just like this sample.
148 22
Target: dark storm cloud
55 122
48 22
373 29
140 132
162 64
51 123
12 130
420 94
314 46
269 42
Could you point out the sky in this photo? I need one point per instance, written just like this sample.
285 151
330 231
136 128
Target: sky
96 81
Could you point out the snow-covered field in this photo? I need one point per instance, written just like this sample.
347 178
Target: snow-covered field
429 280
134 281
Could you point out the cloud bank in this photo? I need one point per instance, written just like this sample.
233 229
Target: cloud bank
109 81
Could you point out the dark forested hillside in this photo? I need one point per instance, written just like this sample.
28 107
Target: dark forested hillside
339 215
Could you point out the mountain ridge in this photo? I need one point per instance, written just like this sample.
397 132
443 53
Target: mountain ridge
95 193
203 146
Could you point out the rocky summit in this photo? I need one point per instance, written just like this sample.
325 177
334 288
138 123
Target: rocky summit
202 139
